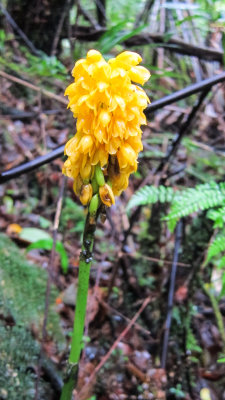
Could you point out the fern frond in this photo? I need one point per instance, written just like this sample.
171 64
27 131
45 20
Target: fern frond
222 263
195 199
150 195
216 247
218 216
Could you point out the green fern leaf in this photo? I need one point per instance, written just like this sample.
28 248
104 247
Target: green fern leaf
218 216
216 247
151 195
202 197
222 263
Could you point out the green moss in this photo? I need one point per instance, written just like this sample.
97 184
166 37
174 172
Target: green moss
18 359
22 290
22 302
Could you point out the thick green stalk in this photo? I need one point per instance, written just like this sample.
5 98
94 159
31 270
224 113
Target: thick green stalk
217 313
81 303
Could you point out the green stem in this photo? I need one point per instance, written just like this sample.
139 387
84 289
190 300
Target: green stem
217 313
81 303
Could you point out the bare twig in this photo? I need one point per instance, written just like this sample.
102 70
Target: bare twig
183 130
143 16
177 45
87 16
115 344
19 31
100 7
33 87
113 310
171 292
59 27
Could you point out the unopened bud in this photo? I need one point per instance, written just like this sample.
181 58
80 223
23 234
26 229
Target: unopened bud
107 196
94 184
93 207
99 175
86 194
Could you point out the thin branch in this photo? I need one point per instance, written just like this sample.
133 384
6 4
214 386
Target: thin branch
31 165
186 92
33 87
178 238
183 130
59 27
177 45
87 16
143 16
101 13
19 31
156 105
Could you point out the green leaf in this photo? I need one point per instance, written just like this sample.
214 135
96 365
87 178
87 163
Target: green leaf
44 223
202 197
46 244
63 256
8 203
216 247
34 234
221 360
223 44
116 35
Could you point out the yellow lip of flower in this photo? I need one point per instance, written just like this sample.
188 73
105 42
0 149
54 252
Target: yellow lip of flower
109 109
106 195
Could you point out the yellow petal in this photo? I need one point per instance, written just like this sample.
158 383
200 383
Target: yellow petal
102 86
79 67
77 185
139 75
86 143
136 143
100 156
85 171
86 194
126 155
104 118
129 57
94 56
120 101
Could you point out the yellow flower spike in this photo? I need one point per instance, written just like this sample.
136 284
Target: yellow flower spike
106 195
86 194
109 109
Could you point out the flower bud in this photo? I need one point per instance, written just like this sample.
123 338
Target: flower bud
106 195
86 194
94 185
99 175
93 207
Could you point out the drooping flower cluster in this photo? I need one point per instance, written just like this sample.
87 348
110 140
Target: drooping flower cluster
109 111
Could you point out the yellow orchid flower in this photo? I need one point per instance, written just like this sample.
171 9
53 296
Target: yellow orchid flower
109 109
